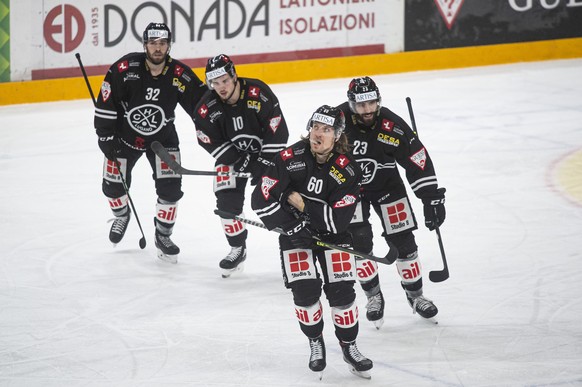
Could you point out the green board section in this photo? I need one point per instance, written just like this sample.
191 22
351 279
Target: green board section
4 40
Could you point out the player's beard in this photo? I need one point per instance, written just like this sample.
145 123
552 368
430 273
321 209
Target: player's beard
367 119
157 58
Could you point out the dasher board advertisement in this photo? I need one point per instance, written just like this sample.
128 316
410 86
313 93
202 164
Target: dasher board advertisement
45 37
432 24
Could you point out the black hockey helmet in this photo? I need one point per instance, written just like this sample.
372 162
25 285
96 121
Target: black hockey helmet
363 89
331 116
155 31
218 66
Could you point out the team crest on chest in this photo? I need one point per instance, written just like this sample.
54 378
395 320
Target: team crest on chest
146 119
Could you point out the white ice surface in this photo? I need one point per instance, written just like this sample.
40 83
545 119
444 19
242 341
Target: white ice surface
74 311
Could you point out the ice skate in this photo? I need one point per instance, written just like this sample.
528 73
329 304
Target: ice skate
375 310
118 228
359 364
234 261
424 307
317 359
167 250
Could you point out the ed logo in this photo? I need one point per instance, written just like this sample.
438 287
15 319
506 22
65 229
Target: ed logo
64 28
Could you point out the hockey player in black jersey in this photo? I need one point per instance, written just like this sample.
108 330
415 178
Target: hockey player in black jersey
312 190
380 139
240 123
136 106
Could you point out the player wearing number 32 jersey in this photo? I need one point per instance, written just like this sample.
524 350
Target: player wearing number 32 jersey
135 107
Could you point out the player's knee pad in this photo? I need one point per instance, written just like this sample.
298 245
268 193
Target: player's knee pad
112 190
169 189
340 293
405 243
230 201
306 292
362 237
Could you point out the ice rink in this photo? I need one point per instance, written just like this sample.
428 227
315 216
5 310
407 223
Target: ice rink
507 144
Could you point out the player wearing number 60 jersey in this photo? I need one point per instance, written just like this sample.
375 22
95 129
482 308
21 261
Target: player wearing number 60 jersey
312 189
380 140
135 107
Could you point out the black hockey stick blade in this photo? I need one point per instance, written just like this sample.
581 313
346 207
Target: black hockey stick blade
387 260
175 166
440 275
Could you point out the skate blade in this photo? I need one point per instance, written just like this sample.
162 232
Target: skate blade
228 272
361 374
319 374
173 259
378 323
432 320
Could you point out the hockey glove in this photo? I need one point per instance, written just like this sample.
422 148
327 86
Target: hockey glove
299 234
243 163
343 239
288 207
109 146
434 209
258 168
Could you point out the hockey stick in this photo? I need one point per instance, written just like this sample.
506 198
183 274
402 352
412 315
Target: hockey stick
436 275
179 169
387 260
78 56
142 241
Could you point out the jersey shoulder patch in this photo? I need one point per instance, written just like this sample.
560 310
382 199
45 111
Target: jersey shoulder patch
342 161
343 164
287 154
